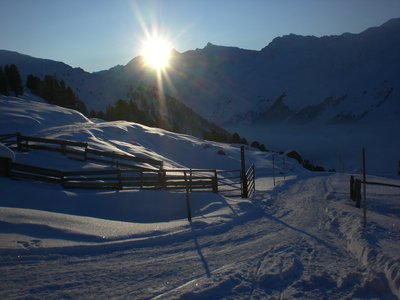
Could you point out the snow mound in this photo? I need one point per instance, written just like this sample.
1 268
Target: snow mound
6 152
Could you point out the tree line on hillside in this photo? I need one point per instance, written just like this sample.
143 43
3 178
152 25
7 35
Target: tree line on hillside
56 92
51 89
145 105
149 106
138 108
10 81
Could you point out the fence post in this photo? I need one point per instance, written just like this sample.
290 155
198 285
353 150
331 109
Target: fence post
273 167
352 188
189 210
357 192
19 146
191 180
5 166
62 179
215 182
254 178
162 178
243 176
398 168
364 188
119 179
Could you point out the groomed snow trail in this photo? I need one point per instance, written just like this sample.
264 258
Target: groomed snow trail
300 241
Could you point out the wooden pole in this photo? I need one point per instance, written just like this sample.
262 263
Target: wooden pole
284 171
119 179
352 188
191 180
215 182
357 192
364 188
254 178
189 210
245 192
273 167
19 146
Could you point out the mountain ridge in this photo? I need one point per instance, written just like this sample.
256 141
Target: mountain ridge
307 69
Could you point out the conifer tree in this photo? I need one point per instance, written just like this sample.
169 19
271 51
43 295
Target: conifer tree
14 79
4 89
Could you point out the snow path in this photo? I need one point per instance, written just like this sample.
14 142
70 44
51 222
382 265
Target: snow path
303 242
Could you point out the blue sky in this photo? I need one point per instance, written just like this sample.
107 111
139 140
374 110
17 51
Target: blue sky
99 34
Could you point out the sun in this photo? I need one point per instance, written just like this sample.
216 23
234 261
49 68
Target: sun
156 52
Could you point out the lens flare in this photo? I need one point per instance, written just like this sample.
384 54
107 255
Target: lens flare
156 52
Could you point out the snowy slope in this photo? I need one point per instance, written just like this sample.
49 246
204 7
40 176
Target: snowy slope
301 239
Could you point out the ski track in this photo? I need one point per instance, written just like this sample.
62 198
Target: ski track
297 247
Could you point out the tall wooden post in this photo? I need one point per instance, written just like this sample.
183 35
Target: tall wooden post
357 192
215 182
352 188
243 176
364 188
188 208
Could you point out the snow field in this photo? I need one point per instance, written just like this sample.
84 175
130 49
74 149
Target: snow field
302 238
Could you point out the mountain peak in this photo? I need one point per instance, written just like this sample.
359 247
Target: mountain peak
210 45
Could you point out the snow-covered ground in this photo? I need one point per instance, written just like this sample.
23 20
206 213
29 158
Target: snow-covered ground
302 238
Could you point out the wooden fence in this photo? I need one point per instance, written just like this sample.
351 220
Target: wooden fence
232 184
78 151
126 173
195 180
251 183
355 188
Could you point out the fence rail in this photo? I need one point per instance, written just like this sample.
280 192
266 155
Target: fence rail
78 150
382 184
355 188
125 173
229 183
195 180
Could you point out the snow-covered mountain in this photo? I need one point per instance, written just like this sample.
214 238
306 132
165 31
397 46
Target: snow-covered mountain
341 91
330 79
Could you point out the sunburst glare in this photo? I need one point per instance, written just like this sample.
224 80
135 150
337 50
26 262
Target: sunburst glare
156 52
